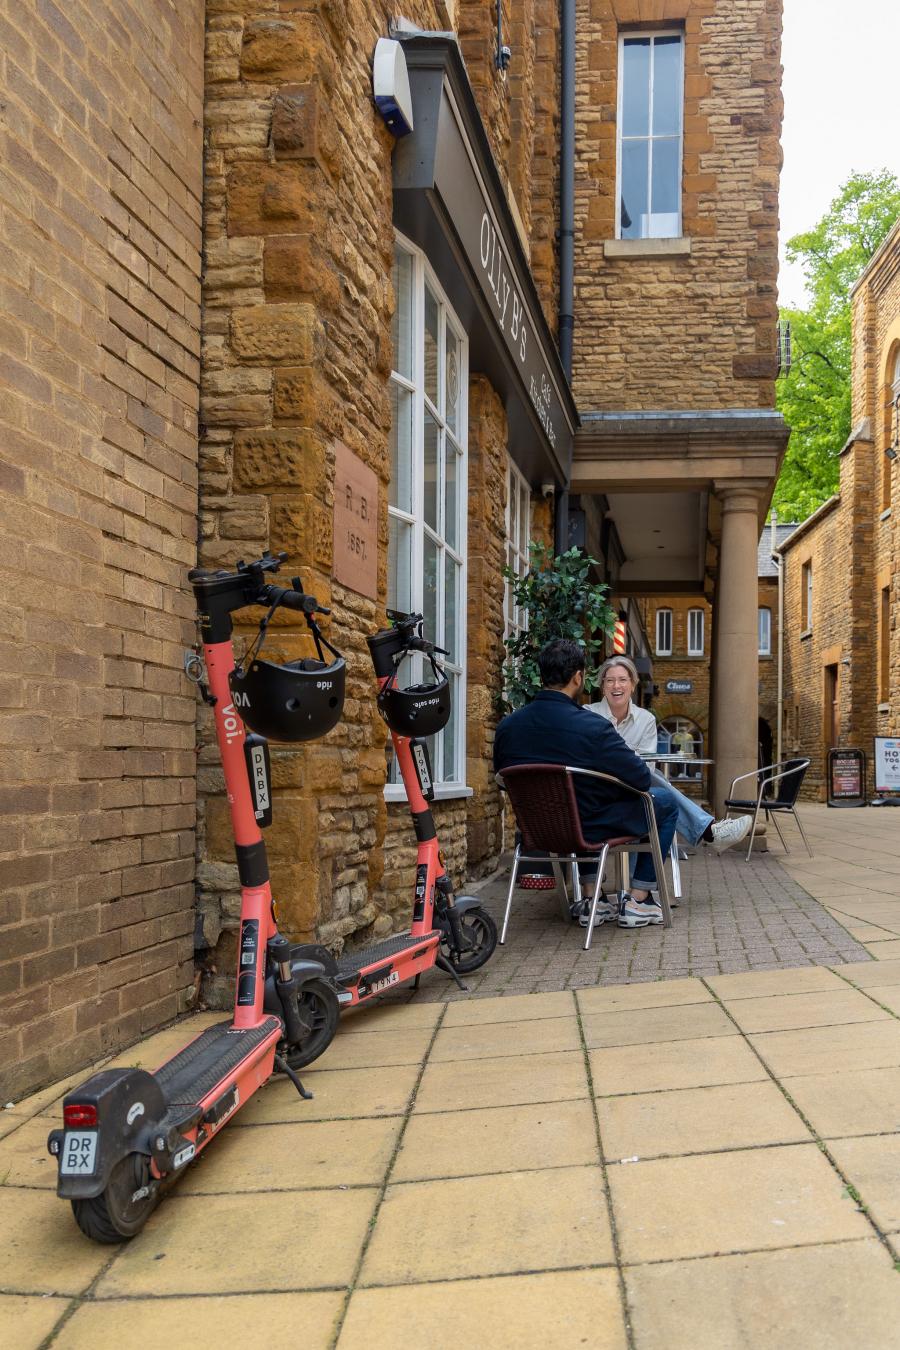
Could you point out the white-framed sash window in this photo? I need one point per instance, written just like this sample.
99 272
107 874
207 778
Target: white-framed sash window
518 537
427 499
696 634
649 135
765 631
663 632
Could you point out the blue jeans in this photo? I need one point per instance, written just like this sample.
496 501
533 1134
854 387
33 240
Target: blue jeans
665 809
693 821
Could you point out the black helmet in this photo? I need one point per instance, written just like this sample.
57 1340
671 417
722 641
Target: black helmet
299 701
420 710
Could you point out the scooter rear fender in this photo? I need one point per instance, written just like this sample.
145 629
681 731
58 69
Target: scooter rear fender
128 1103
303 971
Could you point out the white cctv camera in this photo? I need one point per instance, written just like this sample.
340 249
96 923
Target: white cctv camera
547 489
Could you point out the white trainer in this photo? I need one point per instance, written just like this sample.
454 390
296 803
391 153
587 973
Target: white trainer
726 833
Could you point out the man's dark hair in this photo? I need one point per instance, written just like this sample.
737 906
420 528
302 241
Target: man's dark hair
558 661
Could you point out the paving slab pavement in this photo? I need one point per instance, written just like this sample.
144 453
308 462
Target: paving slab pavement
708 1161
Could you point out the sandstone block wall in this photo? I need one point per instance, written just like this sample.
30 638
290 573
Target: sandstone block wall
99 347
861 530
696 330
297 353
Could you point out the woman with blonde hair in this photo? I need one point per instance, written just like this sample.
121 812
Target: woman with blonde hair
637 727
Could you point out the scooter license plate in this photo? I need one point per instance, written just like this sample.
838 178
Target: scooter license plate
393 978
79 1154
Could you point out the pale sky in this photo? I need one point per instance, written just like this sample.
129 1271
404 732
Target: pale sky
841 108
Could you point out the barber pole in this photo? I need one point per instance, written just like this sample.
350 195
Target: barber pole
619 638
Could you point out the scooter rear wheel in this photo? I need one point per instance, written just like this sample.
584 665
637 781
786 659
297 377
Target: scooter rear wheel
481 932
115 1215
319 1005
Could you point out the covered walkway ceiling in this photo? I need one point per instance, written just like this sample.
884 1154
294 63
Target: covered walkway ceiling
660 473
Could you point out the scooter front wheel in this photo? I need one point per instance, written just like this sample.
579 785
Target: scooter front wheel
480 934
320 1008
120 1211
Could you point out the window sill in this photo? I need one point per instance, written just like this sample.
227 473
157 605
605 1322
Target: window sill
443 792
884 707
764 656
807 633
886 514
647 248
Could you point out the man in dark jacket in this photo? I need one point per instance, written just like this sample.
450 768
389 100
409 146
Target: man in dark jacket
553 729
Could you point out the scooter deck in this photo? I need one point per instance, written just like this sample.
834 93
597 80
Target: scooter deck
354 962
193 1073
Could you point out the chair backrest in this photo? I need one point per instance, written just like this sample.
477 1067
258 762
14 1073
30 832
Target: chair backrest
788 788
543 799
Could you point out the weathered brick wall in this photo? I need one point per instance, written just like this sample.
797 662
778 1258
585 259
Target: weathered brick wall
545 159
807 650
99 254
860 531
876 345
297 355
697 330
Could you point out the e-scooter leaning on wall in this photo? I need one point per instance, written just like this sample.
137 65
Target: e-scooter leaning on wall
128 1134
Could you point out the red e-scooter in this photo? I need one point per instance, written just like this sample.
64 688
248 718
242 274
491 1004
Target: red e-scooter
451 932
127 1134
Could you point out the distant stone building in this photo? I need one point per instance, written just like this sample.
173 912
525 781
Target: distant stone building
842 638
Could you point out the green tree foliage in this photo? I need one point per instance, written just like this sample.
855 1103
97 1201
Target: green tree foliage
815 396
561 601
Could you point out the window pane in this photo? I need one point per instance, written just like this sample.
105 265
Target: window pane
401 324
399 565
431 471
634 189
431 346
448 772
451 501
636 87
665 194
451 591
666 86
429 589
452 387
400 491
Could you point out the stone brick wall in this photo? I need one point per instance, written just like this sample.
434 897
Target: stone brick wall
695 330
99 256
860 528
297 355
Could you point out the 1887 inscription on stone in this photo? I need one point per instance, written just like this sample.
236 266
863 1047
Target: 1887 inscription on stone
355 523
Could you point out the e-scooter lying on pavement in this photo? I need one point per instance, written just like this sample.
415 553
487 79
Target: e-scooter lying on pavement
451 932
128 1134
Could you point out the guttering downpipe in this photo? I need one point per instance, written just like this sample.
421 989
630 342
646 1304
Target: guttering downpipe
566 228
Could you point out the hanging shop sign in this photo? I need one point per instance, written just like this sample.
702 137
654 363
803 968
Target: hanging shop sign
887 764
679 686
355 523
846 777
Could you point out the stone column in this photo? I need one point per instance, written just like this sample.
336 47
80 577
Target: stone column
735 706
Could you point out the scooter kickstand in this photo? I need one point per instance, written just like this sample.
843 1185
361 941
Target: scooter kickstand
283 1067
443 964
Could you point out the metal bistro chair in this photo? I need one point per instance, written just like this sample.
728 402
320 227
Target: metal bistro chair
546 810
789 775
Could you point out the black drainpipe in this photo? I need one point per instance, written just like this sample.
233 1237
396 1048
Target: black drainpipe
566 229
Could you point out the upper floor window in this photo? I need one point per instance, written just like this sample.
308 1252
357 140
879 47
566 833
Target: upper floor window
648 151
884 646
663 632
695 632
806 596
518 537
427 493
764 645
